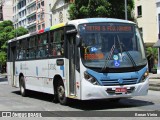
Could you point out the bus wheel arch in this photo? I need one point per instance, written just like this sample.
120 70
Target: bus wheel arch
22 85
59 90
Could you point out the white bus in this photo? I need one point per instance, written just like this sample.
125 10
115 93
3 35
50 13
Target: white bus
94 58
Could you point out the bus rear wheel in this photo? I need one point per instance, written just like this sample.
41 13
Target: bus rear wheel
22 86
61 93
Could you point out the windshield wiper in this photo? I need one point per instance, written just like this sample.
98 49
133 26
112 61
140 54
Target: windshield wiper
130 57
121 46
109 56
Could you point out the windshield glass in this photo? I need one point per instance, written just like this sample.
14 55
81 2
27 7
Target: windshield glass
111 45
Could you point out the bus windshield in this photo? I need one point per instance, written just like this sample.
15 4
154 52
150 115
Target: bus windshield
111 45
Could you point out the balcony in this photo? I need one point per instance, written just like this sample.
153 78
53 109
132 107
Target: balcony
31 13
31 23
30 2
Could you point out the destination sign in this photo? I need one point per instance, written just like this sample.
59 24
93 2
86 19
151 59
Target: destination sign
108 28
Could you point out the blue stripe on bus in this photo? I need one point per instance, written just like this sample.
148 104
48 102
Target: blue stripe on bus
47 29
103 78
62 68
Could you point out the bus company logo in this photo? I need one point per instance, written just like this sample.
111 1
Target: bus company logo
21 66
120 81
6 114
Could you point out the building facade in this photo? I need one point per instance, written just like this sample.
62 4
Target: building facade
6 11
32 14
60 11
157 44
145 15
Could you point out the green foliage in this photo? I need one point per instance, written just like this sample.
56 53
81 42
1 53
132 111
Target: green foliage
8 32
3 57
88 9
21 31
152 53
118 10
100 8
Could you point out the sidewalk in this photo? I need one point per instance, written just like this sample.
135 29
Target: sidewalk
3 75
154 82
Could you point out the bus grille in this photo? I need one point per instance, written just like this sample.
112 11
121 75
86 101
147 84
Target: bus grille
113 82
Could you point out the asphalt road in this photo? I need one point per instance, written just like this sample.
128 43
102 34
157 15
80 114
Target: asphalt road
11 100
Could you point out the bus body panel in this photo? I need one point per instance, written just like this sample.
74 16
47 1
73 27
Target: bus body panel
90 91
10 72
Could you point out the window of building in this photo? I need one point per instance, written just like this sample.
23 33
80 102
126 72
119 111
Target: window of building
39 6
42 16
42 3
38 16
139 10
43 25
60 17
39 27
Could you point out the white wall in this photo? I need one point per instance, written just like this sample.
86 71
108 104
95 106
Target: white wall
148 21
7 10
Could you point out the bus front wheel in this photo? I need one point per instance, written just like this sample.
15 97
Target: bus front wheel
22 86
61 93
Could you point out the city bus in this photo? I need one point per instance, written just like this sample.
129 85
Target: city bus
83 59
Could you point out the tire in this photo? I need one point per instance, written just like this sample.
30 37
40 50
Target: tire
115 99
61 93
55 98
23 90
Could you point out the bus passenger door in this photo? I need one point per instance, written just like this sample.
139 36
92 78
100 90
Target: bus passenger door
72 66
13 58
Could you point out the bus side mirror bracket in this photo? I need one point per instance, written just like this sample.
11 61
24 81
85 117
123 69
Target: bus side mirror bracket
78 41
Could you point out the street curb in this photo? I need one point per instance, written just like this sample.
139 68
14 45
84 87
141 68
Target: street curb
154 88
154 77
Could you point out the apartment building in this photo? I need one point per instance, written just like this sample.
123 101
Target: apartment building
145 15
6 10
32 14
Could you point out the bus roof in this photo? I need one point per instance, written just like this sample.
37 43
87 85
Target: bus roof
73 22
18 38
38 32
95 20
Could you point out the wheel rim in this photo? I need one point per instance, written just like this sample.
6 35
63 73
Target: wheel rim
22 86
61 92
22 89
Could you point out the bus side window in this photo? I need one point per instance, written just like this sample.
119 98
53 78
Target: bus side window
21 49
59 39
42 50
57 43
32 47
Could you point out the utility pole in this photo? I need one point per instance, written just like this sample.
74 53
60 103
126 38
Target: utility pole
50 14
125 6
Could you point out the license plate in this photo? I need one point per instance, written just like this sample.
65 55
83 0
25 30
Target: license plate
121 90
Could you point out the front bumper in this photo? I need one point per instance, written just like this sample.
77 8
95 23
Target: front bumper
90 91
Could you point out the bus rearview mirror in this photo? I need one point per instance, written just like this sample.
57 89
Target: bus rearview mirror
78 41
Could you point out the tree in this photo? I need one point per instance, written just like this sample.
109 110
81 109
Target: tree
152 55
8 32
100 8
118 9
88 9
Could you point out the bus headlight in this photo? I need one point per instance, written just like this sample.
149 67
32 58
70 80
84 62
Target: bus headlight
90 78
143 78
